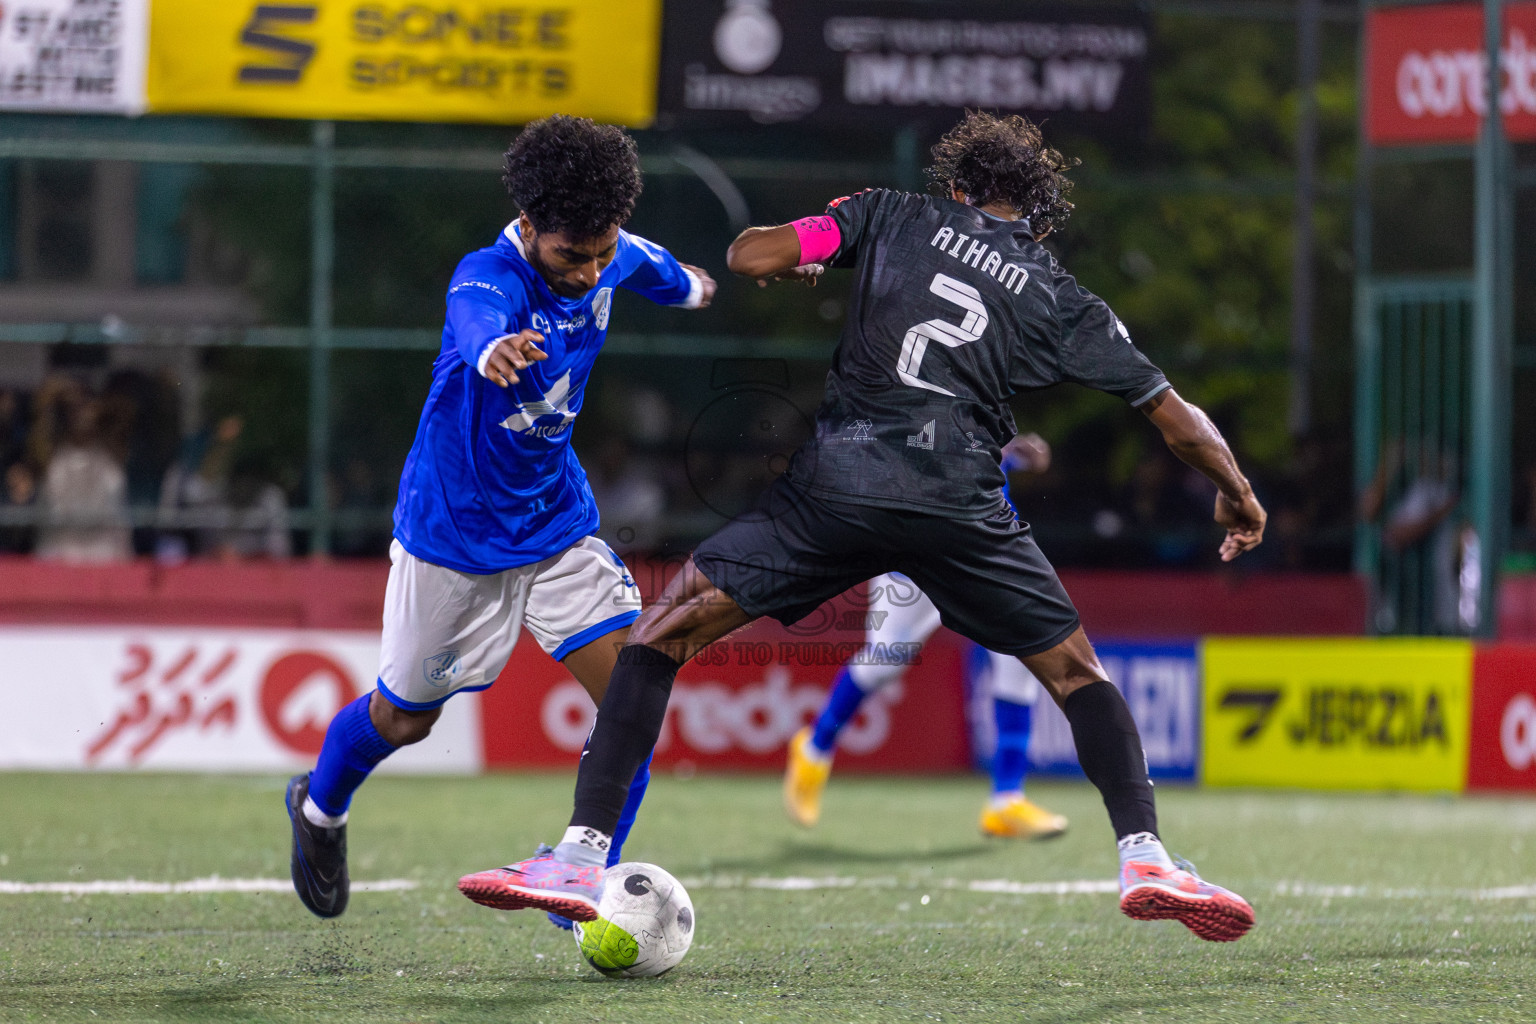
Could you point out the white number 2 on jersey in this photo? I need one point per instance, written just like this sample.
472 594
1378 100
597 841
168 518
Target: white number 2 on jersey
969 329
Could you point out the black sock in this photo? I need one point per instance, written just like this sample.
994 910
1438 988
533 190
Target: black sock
623 736
1109 749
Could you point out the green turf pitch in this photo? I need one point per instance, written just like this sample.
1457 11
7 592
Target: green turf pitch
1370 908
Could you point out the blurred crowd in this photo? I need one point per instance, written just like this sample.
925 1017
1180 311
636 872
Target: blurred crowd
100 470
78 460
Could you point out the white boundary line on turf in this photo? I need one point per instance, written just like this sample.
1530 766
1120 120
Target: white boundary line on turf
802 883
1084 887
133 887
1508 892
791 883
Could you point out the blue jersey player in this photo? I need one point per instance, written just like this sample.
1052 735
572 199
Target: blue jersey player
495 520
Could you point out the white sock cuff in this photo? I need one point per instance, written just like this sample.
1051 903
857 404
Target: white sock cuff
1144 847
316 816
588 837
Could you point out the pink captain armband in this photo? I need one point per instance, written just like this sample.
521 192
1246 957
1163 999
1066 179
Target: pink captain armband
819 238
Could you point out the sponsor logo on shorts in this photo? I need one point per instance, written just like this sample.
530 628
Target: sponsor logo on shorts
442 669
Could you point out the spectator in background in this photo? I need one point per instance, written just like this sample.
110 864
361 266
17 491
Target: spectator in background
631 495
20 491
83 495
261 528
236 511
356 495
13 427
18 480
198 483
1418 519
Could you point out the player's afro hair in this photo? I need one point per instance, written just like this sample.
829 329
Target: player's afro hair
571 174
1004 159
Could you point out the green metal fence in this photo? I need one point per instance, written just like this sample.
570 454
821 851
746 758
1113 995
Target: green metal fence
1412 446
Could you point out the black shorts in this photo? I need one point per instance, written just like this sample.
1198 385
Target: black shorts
987 577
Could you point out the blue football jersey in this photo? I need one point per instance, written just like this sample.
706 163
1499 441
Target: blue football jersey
492 482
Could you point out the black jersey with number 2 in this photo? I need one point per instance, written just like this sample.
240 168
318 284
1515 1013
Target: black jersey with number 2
954 311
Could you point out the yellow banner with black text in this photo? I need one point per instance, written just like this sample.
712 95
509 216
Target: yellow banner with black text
1381 713
442 61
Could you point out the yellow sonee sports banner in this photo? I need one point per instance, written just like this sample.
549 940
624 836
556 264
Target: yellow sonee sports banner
504 63
1338 714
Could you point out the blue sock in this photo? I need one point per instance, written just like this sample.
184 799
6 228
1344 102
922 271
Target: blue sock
1008 763
630 812
352 748
842 703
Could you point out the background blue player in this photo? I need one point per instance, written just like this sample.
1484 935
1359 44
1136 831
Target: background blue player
495 520
902 618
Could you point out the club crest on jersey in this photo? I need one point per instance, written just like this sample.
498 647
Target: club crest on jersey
556 402
981 256
602 302
924 437
442 669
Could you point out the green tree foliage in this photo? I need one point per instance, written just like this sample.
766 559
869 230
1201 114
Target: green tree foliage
1190 237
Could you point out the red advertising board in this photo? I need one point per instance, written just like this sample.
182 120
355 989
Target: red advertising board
1503 743
736 705
1426 79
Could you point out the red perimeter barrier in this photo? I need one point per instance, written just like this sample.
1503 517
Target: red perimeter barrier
736 704
350 595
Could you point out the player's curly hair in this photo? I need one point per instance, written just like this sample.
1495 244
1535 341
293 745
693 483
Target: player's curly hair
1004 159
572 174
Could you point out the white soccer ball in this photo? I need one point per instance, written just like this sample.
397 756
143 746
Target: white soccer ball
644 924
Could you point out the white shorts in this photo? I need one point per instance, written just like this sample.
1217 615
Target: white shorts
446 631
899 622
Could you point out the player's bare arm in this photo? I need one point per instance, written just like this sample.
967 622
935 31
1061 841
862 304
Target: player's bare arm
1192 436
513 352
771 254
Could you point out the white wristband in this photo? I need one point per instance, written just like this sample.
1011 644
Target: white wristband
485 353
695 291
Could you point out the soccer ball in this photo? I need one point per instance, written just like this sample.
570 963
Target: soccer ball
644 923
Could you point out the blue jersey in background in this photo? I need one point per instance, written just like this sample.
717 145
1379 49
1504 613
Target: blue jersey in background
492 482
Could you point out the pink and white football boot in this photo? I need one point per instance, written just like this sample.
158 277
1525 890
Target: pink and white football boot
541 883
1152 893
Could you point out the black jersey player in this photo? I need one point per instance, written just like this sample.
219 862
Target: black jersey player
956 308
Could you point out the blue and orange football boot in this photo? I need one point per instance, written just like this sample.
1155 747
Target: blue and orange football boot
1151 893
539 883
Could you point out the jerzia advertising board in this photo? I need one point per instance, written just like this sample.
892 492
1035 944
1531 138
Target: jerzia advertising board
1338 714
446 61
